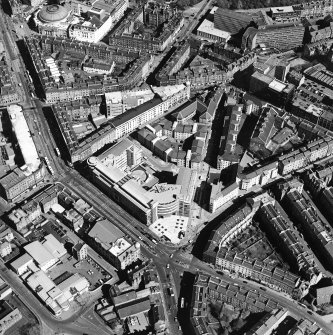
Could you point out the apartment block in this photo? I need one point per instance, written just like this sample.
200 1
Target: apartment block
280 228
300 158
231 127
257 175
316 229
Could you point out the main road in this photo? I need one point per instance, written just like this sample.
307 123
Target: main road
160 254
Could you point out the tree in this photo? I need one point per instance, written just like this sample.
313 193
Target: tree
183 3
222 3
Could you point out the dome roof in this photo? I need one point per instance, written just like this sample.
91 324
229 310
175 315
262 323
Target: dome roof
52 13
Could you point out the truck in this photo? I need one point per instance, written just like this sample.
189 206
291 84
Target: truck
182 302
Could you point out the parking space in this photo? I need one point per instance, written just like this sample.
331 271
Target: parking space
95 274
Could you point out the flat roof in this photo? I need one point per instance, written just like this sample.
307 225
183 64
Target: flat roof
117 149
56 248
105 233
168 91
137 192
170 227
24 139
277 85
39 253
21 261
284 9
208 27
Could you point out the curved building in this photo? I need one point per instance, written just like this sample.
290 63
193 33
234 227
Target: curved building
54 20
52 13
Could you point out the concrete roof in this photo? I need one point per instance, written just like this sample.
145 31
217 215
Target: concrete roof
39 253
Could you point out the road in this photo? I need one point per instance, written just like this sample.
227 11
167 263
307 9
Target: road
85 320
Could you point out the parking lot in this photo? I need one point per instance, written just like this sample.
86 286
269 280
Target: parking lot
87 268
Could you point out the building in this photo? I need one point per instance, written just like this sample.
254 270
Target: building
271 89
206 289
207 31
22 264
5 249
220 196
324 295
316 228
126 191
5 289
31 210
119 102
124 37
80 251
292 245
166 99
113 244
281 13
57 297
174 63
300 158
60 21
281 36
8 316
264 129
24 138
274 277
47 253
56 90
232 124
187 178
268 323
54 20
230 21
8 91
20 180
257 175
319 74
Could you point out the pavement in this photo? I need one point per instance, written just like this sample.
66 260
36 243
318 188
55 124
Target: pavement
85 320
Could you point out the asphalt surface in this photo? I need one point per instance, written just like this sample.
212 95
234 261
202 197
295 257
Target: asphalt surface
85 321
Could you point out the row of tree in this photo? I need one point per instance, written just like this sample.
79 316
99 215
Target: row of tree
243 4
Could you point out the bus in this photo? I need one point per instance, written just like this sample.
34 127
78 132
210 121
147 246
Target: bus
57 151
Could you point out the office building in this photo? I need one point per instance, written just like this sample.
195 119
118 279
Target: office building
124 190
113 244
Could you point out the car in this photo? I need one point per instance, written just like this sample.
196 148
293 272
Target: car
176 319
263 288
168 266
309 312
